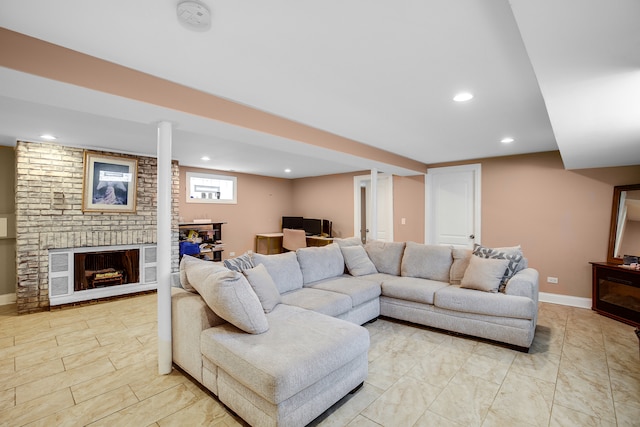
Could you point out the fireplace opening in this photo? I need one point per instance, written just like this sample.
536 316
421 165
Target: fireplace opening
106 268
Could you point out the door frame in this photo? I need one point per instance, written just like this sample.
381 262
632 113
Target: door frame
382 202
429 209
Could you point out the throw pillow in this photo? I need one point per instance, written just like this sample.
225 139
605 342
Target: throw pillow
431 262
484 274
386 256
264 287
357 261
240 263
230 296
349 241
192 262
461 258
512 254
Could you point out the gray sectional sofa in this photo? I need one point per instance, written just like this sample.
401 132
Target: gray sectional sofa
278 338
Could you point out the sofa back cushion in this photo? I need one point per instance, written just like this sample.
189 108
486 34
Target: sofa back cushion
283 269
386 256
229 295
431 262
320 262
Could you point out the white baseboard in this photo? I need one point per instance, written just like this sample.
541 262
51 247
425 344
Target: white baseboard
7 299
565 300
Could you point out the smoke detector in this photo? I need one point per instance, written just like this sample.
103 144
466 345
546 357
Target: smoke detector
194 15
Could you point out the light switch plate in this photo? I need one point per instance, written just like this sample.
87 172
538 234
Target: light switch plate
3 227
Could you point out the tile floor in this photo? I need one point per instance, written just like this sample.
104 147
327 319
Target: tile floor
96 365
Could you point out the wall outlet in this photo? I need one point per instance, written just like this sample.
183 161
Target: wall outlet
552 280
232 254
403 221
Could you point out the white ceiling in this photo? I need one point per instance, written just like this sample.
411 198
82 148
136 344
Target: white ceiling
378 72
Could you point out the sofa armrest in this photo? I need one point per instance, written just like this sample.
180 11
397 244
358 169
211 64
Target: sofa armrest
190 315
524 283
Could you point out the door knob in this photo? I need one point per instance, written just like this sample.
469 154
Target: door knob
472 236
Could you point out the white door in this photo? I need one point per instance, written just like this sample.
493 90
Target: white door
453 205
384 212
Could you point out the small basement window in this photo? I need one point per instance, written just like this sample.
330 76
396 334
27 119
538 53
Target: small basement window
209 188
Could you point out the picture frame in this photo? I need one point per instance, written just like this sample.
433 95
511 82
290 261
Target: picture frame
109 183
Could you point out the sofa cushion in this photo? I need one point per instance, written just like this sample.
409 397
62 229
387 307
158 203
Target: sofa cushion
348 241
357 261
326 302
300 348
386 256
359 290
426 261
240 263
230 296
188 260
513 254
320 262
264 287
283 269
493 304
412 289
484 274
461 257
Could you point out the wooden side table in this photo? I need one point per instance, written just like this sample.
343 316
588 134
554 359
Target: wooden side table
269 243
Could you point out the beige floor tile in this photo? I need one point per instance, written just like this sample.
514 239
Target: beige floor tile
152 409
50 332
627 415
577 360
361 421
204 412
402 404
523 399
430 419
439 367
97 352
7 398
7 341
90 410
7 366
466 400
34 409
389 368
565 417
548 339
49 384
112 380
501 419
27 347
349 407
625 387
25 376
157 384
585 393
34 358
543 366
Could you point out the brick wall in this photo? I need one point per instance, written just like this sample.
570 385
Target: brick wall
49 214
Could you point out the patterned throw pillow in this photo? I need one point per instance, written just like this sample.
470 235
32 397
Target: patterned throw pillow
512 254
241 263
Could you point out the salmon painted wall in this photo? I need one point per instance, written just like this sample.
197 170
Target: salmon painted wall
262 201
560 217
326 197
408 203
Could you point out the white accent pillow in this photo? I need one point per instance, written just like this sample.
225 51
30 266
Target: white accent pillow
484 274
357 261
193 261
264 287
230 296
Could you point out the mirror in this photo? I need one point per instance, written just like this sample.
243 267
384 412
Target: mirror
624 234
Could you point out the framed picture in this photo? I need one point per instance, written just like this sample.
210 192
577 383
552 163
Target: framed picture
109 183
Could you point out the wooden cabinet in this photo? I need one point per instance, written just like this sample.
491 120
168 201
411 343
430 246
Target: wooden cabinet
208 237
616 292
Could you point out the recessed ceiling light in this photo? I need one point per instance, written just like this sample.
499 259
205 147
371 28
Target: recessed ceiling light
507 140
48 137
463 96
287 170
205 158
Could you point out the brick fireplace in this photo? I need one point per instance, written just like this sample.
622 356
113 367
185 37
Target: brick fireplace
49 215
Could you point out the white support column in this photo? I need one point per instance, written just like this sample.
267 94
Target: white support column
373 226
164 248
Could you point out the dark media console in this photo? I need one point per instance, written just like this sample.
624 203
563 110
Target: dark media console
311 226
